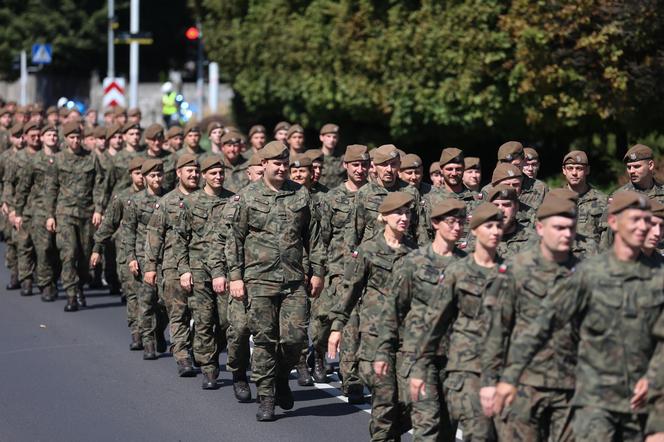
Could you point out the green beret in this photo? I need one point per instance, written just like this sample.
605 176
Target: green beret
411 161
294 129
315 155
256 129
191 126
214 125
129 126
565 194
282 125
174 131
112 130
329 129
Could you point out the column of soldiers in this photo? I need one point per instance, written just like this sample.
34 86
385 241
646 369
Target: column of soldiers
509 312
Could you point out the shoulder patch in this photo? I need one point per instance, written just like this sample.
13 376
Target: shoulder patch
236 198
354 254
156 205
441 278
502 268
181 205
463 245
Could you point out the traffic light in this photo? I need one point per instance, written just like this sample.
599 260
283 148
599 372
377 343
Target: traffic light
192 33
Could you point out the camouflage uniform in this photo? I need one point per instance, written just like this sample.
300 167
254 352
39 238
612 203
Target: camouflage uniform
235 175
333 173
170 175
11 261
160 257
592 207
425 233
74 190
270 233
4 139
542 410
195 228
413 289
118 177
613 309
459 312
366 285
533 192
151 314
656 191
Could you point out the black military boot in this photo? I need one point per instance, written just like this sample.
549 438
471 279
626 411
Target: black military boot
241 387
149 353
49 293
80 299
185 369
265 411
13 283
320 372
162 344
136 342
26 287
72 305
283 393
209 380
355 394
303 376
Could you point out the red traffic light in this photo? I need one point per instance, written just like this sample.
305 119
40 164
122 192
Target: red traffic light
192 33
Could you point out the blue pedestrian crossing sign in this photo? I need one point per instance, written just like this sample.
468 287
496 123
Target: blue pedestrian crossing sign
42 53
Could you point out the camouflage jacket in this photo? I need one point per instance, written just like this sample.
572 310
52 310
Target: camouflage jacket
138 212
271 233
112 222
29 193
4 139
170 175
161 234
459 311
333 173
612 306
533 192
526 283
75 185
425 232
235 175
511 243
13 168
656 191
117 176
414 287
592 207
367 281
196 224
335 218
5 157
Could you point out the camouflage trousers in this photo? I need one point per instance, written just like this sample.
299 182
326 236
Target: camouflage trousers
462 394
210 312
152 317
74 241
179 314
537 414
348 353
11 260
593 424
390 416
108 269
278 321
48 264
130 286
238 334
25 250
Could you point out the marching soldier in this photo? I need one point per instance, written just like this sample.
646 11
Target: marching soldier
154 138
235 165
16 140
472 174
640 166
435 176
333 173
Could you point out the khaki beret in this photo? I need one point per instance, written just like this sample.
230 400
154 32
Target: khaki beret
530 154
483 213
51 110
256 129
16 130
45 129
505 171
628 200
150 165
112 130
211 162
25 109
129 126
88 131
174 131
191 126
282 125
385 153
656 208
502 192
411 161
510 150
576 157
402 153
231 138
315 155
564 193
5 110
638 152
301 160
255 160
434 168
154 131
393 201
38 108
448 206
119 110
329 128
294 129
274 150
108 111
187 159
136 163
63 111
71 128
100 132
555 206
31 125
471 163
214 125
356 152
451 155
134 112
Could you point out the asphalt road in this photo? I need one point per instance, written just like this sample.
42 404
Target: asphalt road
71 377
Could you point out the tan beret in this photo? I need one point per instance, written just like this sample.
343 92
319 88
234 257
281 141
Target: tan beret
315 155
100 132
576 157
411 161
530 154
471 163
112 130
451 155
255 160
150 165
402 153
564 193
555 206
448 206
16 130
385 153
356 152
282 125
136 163
88 131
483 213
434 168
187 159
174 131
638 152
119 110
329 129
71 128
63 111
505 171
211 162
51 110
275 150
191 126
300 160
45 129
656 208
154 131
129 126
134 112
393 201
231 138
628 200
256 129
31 125
38 108
510 150
214 125
294 129
6 110
502 192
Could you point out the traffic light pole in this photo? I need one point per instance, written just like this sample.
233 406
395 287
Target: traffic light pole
133 54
